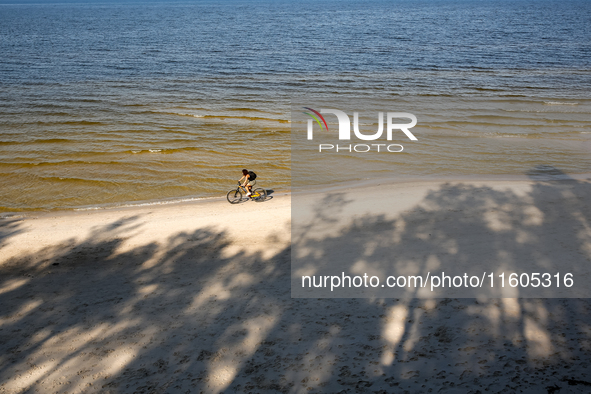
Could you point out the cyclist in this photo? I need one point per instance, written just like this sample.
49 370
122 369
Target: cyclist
249 178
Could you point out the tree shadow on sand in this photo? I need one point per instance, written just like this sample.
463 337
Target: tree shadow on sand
9 227
199 313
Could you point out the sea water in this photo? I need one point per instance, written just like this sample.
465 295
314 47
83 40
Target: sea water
105 104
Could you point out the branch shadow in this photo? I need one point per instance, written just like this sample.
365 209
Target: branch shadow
9 227
198 312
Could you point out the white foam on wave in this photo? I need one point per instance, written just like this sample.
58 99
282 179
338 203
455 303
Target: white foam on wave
13 216
148 150
177 113
145 204
559 103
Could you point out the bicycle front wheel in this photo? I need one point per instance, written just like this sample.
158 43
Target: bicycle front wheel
259 195
234 196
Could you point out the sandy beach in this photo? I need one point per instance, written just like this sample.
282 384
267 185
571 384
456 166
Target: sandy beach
428 231
195 297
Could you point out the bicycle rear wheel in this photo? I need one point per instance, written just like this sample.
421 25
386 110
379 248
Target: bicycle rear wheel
234 196
259 195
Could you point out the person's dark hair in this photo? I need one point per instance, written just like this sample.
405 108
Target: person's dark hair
245 172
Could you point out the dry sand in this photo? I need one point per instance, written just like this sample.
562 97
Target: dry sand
195 297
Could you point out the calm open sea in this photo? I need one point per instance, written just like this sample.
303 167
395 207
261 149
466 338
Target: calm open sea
107 104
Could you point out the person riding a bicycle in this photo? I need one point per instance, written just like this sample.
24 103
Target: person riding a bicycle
248 177
245 184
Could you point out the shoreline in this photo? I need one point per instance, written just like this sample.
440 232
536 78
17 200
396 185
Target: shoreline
217 212
311 189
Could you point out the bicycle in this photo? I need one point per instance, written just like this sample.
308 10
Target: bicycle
234 196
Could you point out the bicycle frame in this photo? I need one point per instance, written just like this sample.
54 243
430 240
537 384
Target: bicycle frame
235 196
246 190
